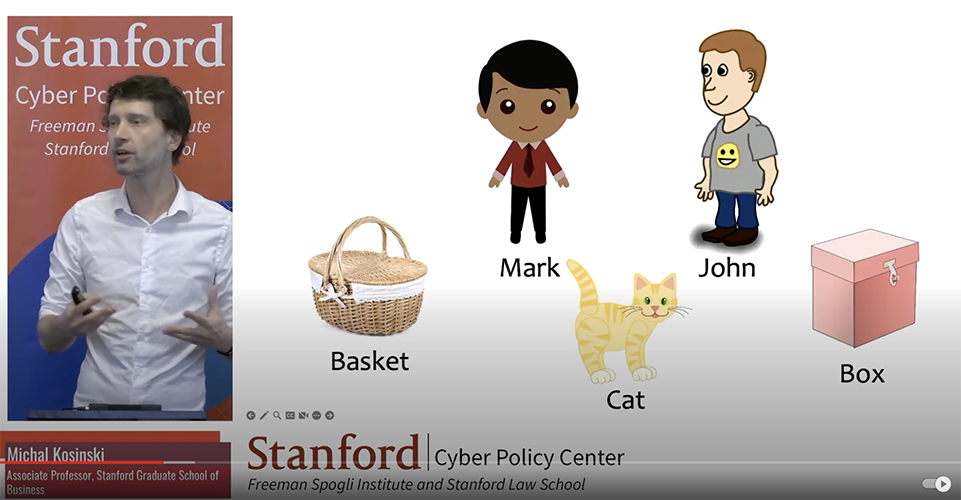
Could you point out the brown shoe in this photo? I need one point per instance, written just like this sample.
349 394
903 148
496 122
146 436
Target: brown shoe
741 237
717 234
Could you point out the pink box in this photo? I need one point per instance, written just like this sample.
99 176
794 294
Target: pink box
865 286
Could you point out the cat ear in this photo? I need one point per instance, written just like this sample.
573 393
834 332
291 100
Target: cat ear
670 282
640 282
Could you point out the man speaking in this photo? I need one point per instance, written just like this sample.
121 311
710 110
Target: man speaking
153 259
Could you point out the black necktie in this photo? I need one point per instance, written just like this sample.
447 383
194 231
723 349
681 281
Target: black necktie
529 162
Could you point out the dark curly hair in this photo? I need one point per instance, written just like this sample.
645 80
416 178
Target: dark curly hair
168 100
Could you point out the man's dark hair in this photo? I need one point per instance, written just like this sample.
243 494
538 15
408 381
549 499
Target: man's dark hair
169 104
530 64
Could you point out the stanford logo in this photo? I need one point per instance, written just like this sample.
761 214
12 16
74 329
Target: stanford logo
322 457
155 52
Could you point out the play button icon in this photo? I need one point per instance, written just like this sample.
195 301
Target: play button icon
942 484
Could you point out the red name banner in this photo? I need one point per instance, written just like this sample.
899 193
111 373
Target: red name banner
117 470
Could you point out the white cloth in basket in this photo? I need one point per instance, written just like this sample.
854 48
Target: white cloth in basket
368 293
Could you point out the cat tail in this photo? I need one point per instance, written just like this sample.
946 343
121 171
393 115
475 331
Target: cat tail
586 284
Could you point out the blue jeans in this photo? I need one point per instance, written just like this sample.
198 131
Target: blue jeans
747 210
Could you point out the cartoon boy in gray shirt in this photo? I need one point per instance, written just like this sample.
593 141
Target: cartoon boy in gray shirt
739 153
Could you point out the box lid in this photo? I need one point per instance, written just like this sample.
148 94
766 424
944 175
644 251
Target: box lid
863 255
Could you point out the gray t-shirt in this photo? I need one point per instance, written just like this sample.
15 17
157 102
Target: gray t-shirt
734 156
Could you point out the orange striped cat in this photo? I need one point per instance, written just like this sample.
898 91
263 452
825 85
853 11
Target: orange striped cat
605 326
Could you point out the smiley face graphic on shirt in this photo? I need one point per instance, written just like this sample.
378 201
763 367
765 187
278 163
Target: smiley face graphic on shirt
728 155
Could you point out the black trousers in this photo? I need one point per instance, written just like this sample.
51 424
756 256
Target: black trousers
538 199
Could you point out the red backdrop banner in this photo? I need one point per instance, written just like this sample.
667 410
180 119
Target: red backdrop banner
59 70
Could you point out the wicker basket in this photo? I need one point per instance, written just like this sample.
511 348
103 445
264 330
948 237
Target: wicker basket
368 292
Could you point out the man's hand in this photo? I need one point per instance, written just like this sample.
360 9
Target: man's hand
563 182
211 332
704 192
57 332
764 196
73 322
494 182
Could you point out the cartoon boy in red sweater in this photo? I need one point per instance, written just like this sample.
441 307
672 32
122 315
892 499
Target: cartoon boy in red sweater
527 91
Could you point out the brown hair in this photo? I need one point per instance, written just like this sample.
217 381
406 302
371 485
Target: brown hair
750 52
169 104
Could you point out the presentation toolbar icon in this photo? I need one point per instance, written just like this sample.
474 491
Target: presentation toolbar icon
330 415
293 415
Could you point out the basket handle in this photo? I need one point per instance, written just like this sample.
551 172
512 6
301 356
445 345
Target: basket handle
338 247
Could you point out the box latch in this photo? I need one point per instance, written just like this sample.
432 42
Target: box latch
893 279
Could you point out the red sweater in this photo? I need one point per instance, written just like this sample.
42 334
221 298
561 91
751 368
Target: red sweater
516 156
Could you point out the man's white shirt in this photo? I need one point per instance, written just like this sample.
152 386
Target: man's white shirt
151 274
